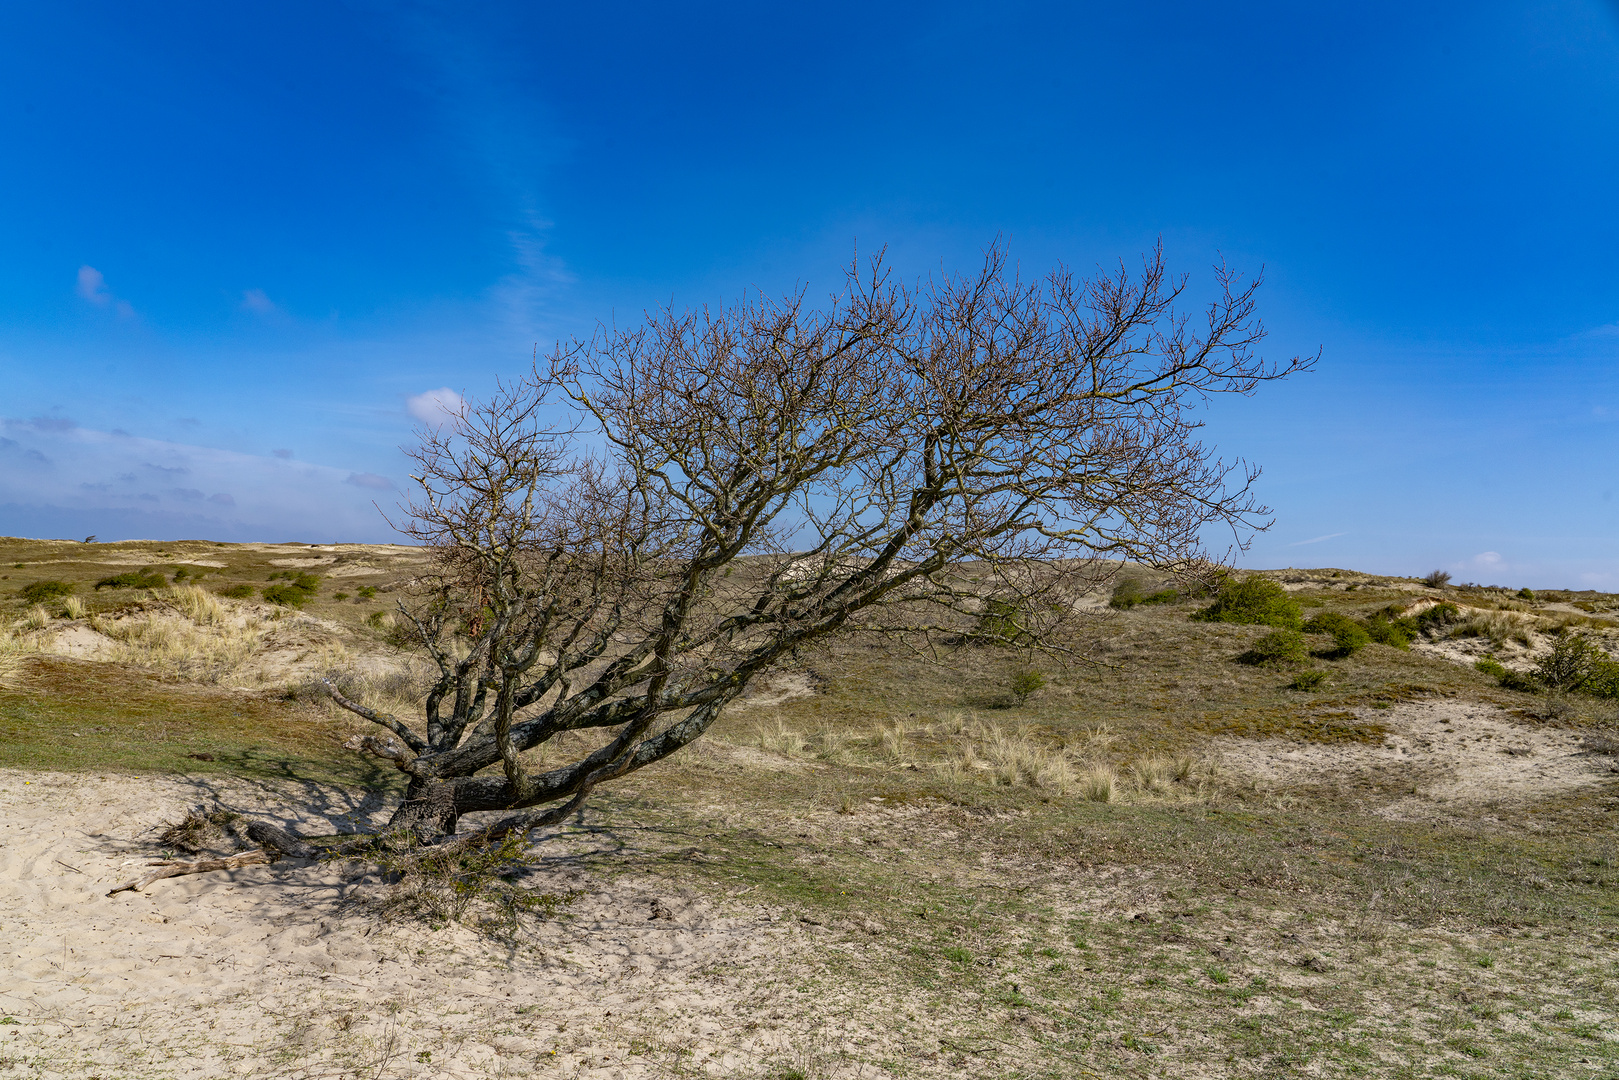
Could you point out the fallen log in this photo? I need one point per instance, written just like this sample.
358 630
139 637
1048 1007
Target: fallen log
282 840
167 868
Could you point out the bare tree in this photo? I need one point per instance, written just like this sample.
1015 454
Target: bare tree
653 517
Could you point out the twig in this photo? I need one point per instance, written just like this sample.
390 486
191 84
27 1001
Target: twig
75 869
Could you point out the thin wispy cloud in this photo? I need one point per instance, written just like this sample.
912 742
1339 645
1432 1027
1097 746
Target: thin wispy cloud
92 286
258 302
370 481
1316 539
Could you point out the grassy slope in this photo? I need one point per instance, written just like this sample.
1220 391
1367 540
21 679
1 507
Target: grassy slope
1209 927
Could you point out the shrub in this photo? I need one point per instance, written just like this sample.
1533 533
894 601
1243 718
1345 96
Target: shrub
1254 601
1129 592
1517 680
1395 633
42 591
1490 666
1347 634
1000 623
1438 617
1604 679
1437 579
1308 680
1276 648
1025 683
1526 594
236 592
145 578
1575 663
296 592
367 592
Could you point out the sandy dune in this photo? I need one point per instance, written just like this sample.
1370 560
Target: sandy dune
1454 755
266 971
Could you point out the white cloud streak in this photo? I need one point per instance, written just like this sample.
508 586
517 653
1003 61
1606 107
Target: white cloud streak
1316 539
258 302
435 407
92 286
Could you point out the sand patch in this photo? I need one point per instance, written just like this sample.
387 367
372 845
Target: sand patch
1450 756
777 688
271 970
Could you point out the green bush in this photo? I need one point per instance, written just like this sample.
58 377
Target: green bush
1517 680
1526 594
1308 680
367 592
1505 676
1396 633
145 578
1577 663
1604 679
1129 592
236 592
1438 617
42 591
298 590
1347 634
1254 601
1000 623
1277 648
1025 683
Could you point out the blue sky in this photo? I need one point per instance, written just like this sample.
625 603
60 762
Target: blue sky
241 243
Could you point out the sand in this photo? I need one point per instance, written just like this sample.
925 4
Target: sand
1456 757
274 970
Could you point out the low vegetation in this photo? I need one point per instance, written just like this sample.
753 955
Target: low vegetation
1085 881
133 579
294 590
41 591
1254 601
1131 592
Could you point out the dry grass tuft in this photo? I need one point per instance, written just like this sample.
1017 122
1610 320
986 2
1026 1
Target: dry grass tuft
778 738
73 608
172 642
199 831
197 604
1099 783
1016 759
1499 626
10 671
1157 774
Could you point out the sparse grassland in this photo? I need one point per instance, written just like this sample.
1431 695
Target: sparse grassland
999 866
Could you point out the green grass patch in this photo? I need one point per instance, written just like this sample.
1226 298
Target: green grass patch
71 716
